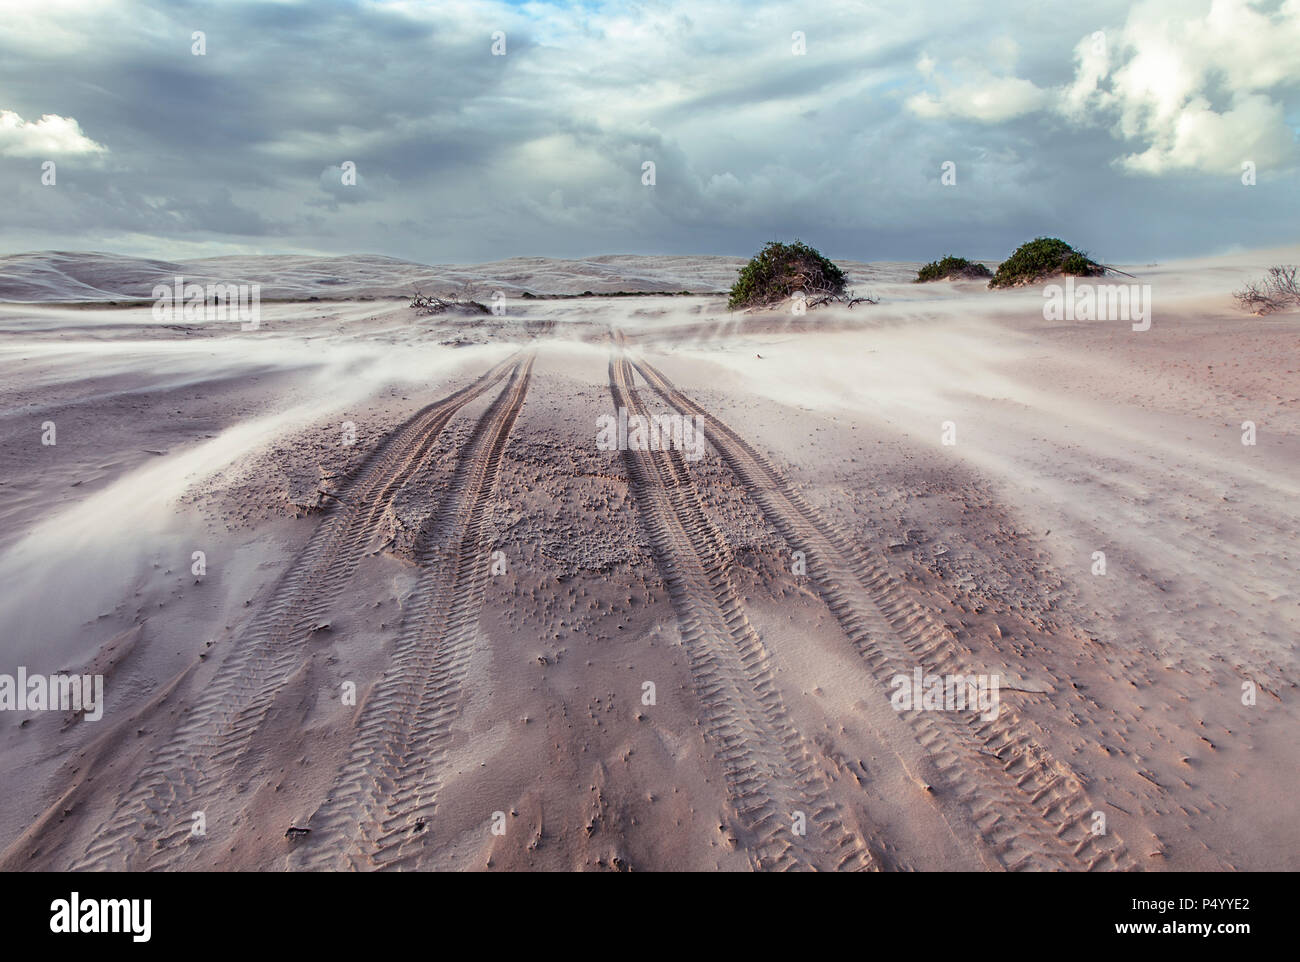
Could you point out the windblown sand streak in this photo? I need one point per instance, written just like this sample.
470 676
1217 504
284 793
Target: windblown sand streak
388 790
769 771
1106 538
1031 808
153 822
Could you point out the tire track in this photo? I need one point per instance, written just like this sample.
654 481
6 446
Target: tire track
769 772
388 790
209 742
1031 809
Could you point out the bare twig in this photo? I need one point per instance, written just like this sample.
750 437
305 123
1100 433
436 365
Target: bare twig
1276 291
1114 270
828 295
462 299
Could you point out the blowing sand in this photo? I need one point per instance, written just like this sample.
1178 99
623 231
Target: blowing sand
416 512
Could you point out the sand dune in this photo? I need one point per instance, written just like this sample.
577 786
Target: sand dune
77 276
417 511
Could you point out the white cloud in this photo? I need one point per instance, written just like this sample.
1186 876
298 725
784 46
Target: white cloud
50 136
1198 92
1092 64
984 97
1199 138
978 93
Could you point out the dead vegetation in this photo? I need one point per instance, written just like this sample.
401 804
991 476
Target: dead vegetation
819 296
1277 290
460 301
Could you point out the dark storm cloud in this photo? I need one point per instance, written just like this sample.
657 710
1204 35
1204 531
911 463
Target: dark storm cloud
462 155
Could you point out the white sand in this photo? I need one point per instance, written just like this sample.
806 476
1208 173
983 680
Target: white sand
521 692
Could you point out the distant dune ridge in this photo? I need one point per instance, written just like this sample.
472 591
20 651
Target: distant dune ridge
86 276
56 276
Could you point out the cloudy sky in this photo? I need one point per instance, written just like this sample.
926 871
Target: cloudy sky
1122 127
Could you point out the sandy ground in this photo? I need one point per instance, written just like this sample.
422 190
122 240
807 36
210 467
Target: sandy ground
416 510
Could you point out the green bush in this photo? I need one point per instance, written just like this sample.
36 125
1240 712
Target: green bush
1044 257
950 266
779 270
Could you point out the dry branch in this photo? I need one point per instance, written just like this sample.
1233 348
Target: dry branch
1276 291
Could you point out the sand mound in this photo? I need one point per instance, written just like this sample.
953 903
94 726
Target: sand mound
60 276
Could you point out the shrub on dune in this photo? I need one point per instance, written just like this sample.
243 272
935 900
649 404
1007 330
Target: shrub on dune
950 267
1044 257
782 271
